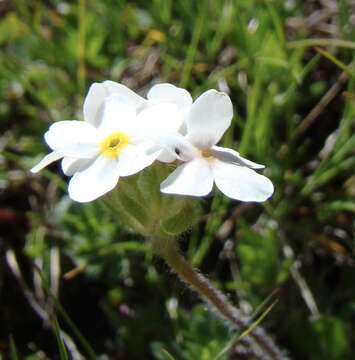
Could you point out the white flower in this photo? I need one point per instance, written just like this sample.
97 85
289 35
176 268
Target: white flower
94 106
119 146
179 99
204 163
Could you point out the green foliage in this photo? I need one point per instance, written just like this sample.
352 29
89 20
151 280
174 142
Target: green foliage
201 338
294 112
259 259
333 332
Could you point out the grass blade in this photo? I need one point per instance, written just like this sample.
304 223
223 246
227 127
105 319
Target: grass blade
13 349
62 349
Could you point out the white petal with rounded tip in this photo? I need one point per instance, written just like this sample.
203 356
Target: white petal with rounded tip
73 138
48 159
160 119
232 156
209 118
98 179
93 103
169 93
134 158
72 165
192 178
241 183
130 96
166 157
117 114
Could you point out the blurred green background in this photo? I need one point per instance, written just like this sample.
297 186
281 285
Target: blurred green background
74 272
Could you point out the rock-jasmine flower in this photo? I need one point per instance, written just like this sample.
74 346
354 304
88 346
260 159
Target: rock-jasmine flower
204 163
119 146
94 105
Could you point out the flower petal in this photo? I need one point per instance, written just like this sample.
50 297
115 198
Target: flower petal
93 103
73 138
72 165
48 159
177 146
130 96
232 156
168 93
160 119
117 114
209 118
98 179
166 157
192 178
135 158
241 183
98 92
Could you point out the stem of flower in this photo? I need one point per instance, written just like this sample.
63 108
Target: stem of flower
257 340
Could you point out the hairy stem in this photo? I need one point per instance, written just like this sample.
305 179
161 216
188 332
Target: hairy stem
257 340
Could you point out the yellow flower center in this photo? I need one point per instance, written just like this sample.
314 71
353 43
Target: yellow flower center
206 153
113 144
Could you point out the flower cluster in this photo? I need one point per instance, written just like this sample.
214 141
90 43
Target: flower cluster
123 133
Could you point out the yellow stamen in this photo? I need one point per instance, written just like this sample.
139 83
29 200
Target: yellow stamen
113 144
